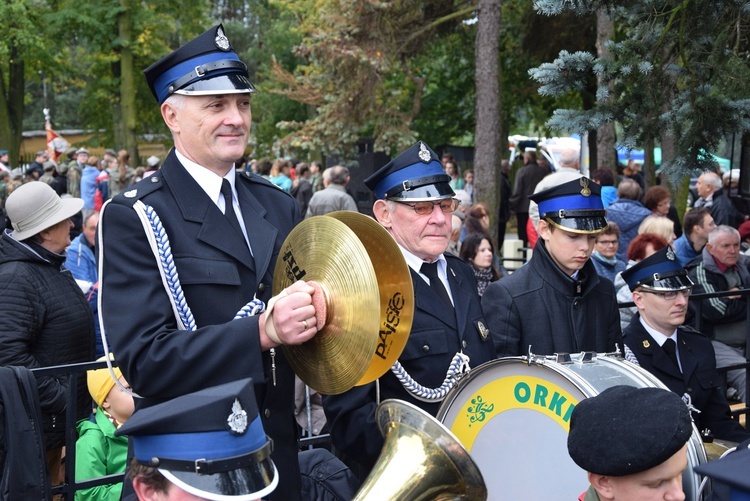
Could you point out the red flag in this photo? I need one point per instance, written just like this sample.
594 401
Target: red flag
56 144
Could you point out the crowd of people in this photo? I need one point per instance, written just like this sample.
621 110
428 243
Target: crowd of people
175 273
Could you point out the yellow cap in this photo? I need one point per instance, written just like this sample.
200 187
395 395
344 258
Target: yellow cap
100 381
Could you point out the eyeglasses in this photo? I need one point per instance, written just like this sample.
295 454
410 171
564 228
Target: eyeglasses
670 295
606 243
447 205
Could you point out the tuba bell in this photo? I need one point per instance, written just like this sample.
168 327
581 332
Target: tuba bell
421 460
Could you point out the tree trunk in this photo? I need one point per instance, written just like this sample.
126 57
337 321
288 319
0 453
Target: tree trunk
487 141
605 135
127 83
11 107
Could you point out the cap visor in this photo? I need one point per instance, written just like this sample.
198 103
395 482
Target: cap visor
579 224
436 191
230 83
242 484
675 283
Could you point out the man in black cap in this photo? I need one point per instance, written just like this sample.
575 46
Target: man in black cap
682 358
208 238
557 303
208 444
414 202
632 442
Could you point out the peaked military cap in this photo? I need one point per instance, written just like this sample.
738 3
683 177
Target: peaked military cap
206 65
626 430
210 443
660 271
575 206
731 470
416 175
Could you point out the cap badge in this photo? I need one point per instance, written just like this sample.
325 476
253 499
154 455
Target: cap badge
670 254
646 344
221 40
585 191
130 194
424 155
237 420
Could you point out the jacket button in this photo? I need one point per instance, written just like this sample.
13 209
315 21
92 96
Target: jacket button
464 343
261 287
576 304
426 348
689 389
267 413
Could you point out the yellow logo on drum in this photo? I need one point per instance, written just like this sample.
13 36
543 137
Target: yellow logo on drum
510 393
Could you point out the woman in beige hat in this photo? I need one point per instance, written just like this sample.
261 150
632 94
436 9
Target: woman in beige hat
45 319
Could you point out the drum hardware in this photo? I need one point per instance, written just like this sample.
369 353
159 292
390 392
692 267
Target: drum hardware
420 460
369 299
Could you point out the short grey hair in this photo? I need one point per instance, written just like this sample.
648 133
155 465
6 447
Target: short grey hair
713 180
720 230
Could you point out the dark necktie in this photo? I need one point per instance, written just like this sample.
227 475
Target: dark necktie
226 191
671 348
431 272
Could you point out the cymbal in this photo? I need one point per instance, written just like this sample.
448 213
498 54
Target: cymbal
327 251
395 287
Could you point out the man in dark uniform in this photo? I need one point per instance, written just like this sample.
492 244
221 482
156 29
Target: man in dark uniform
557 303
414 202
682 358
183 251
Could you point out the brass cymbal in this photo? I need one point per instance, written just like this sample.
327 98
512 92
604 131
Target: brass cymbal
327 251
396 291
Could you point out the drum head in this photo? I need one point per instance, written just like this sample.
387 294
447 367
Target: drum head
513 417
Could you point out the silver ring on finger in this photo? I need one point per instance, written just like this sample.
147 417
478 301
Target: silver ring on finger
304 322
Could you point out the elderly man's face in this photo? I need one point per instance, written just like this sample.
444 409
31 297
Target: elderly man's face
211 131
725 249
425 236
703 187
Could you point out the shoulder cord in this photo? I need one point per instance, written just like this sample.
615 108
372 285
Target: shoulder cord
159 243
630 356
457 368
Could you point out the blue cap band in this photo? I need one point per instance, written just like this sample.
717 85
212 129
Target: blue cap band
413 171
200 445
647 272
571 202
161 85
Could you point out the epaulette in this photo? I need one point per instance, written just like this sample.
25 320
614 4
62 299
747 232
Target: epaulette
255 178
140 189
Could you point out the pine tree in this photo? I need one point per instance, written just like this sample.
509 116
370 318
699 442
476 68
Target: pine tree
676 68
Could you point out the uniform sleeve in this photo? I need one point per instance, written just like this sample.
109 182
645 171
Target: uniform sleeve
503 319
157 358
353 427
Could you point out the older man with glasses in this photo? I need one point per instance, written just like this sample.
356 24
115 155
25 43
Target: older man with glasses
415 204
682 358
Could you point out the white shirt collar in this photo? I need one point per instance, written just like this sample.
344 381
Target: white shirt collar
658 336
415 263
208 180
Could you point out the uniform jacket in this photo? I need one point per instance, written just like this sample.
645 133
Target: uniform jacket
218 276
708 278
541 306
44 321
98 453
436 336
699 378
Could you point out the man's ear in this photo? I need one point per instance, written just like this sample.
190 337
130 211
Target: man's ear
602 484
544 229
169 114
638 299
382 213
143 491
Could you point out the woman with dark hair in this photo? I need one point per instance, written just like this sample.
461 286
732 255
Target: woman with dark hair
478 251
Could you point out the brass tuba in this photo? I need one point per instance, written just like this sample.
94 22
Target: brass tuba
421 460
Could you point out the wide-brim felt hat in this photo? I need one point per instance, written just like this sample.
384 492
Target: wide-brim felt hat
660 271
35 206
206 65
574 206
414 175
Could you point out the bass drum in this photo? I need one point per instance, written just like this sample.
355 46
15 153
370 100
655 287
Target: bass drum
513 417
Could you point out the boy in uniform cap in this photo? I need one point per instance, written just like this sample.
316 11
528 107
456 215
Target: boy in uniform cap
557 303
415 204
224 231
682 358
632 442
208 444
